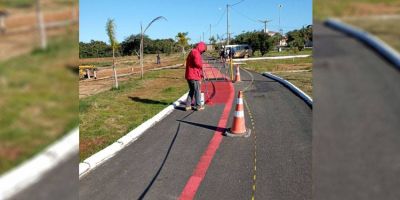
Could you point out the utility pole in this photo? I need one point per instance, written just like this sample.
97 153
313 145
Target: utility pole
227 24
280 29
203 37
265 24
209 39
227 20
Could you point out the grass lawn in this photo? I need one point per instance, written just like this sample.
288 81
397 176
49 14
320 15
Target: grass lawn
287 69
323 9
302 80
387 30
280 65
288 53
38 100
107 116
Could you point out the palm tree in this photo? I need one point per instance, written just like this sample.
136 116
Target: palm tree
182 40
110 28
141 40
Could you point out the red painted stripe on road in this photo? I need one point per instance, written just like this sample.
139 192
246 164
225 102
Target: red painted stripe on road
191 187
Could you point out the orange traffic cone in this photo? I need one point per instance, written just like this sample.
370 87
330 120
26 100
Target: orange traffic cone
238 128
237 77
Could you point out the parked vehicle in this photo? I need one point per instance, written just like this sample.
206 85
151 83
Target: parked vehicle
241 50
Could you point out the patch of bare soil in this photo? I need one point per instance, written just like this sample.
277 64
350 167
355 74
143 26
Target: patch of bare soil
21 35
363 9
105 79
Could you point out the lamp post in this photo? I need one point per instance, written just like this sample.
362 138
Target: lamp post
280 29
142 32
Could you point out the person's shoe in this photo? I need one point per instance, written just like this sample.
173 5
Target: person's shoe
188 108
199 108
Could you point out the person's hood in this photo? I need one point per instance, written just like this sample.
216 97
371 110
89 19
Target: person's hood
201 47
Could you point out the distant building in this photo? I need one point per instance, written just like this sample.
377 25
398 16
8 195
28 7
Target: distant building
210 47
283 41
272 33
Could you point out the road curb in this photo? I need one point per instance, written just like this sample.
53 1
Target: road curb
292 87
31 171
272 58
381 47
103 155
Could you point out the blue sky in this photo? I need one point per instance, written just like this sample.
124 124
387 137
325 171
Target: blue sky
193 16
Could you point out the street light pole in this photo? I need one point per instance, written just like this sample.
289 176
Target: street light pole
227 24
280 29
142 32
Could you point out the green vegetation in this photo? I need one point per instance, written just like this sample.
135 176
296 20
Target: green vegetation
106 116
323 9
298 71
263 43
302 80
29 3
280 65
183 40
17 3
129 47
387 30
285 52
38 100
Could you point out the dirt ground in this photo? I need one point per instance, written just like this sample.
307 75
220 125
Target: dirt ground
105 81
363 9
21 35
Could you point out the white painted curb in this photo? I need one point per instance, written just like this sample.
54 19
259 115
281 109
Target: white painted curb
292 87
381 47
32 171
272 58
100 157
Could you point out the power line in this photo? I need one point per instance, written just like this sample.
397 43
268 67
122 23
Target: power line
249 18
237 3
220 18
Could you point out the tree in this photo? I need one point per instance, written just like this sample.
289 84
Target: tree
259 41
213 41
182 40
298 38
110 28
95 49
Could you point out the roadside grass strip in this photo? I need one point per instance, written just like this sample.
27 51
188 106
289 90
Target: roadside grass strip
374 42
107 116
38 100
292 87
31 171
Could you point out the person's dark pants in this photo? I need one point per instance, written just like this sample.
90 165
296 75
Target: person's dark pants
194 93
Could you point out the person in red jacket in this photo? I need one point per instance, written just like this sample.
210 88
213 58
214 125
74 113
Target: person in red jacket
194 74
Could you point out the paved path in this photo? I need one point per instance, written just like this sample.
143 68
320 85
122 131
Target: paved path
356 120
60 183
159 164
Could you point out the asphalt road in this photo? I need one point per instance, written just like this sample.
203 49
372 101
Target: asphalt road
356 120
159 164
61 183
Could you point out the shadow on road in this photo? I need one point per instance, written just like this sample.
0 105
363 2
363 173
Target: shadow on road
165 159
148 101
213 128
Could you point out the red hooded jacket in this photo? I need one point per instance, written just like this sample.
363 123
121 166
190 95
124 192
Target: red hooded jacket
194 63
